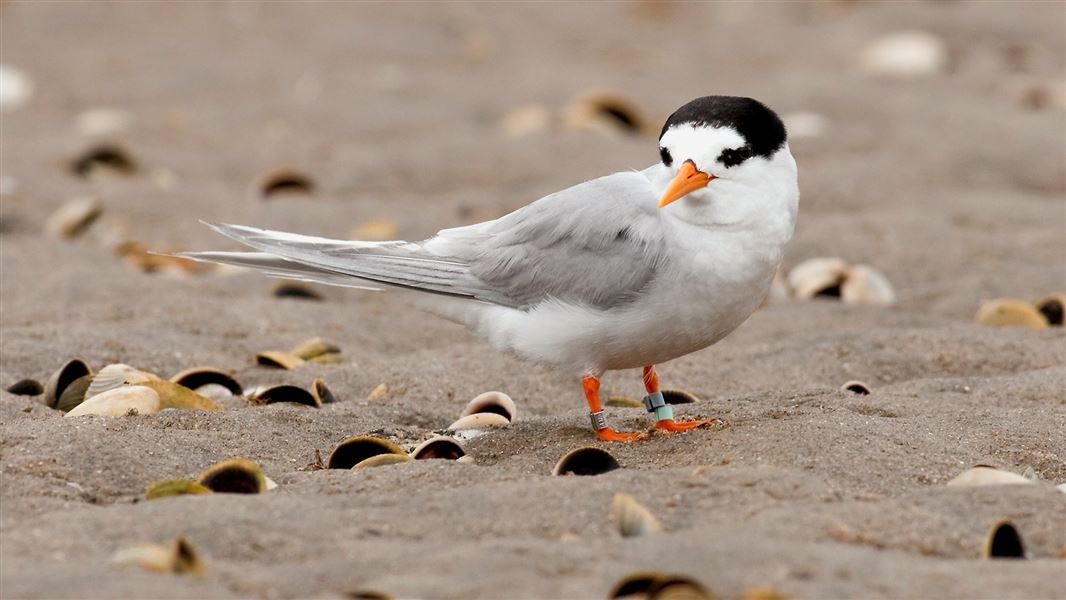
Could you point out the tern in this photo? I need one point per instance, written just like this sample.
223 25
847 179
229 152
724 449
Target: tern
622 272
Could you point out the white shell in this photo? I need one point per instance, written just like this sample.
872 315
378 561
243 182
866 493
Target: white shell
633 518
906 54
103 121
865 285
982 475
479 421
119 402
526 120
116 375
492 402
74 217
16 89
814 275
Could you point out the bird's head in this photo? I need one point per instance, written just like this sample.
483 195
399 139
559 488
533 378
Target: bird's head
727 155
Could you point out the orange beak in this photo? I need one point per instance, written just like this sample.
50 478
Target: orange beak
688 180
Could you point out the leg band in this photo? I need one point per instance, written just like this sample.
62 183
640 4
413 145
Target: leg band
653 402
664 413
599 420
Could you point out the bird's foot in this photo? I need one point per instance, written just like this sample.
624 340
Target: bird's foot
672 426
609 435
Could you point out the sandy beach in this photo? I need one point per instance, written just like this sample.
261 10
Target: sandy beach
951 184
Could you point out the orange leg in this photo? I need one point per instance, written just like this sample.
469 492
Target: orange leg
669 425
591 385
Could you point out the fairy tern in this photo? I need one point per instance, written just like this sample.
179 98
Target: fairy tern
629 270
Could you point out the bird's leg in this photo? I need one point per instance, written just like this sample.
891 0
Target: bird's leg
591 384
664 413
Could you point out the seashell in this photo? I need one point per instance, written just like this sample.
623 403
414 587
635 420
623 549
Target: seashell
174 487
74 217
26 387
279 360
117 375
1003 541
585 461
817 277
328 359
660 587
179 558
906 54
1008 312
368 595
237 476
438 447
604 113
198 377
526 120
679 397
270 483
985 475
286 393
293 289
321 393
285 183
103 157
633 518
856 387
313 347
1052 307
623 402
75 393
16 88
864 285
53 388
96 122
172 395
375 230
381 460
492 402
479 421
355 450
128 400
380 391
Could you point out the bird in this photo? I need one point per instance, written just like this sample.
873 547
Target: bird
625 271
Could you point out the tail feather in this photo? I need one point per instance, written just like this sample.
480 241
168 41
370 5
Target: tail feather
275 266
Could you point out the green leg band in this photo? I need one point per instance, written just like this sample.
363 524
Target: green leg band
664 413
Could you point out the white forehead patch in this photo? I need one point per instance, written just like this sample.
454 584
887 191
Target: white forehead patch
701 143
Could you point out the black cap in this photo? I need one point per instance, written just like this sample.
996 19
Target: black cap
760 127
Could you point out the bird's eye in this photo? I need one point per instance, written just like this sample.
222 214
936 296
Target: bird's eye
732 157
665 155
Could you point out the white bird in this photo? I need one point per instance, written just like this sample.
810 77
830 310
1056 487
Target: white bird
628 270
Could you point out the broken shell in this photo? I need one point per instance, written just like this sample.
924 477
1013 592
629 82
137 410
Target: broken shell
355 450
1052 307
172 395
985 475
174 487
117 375
74 217
492 402
314 347
292 289
198 377
128 400
321 393
856 387
864 285
26 387
585 461
75 393
286 393
603 113
109 157
16 88
633 518
817 277
1008 312
623 402
102 121
1003 541
63 376
381 460
237 476
285 183
368 595
479 421
679 397
438 447
180 558
658 586
375 230
906 54
380 391
279 360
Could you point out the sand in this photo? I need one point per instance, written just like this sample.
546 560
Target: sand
952 185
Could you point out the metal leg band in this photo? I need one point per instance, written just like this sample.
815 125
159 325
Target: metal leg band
599 420
653 402
664 413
